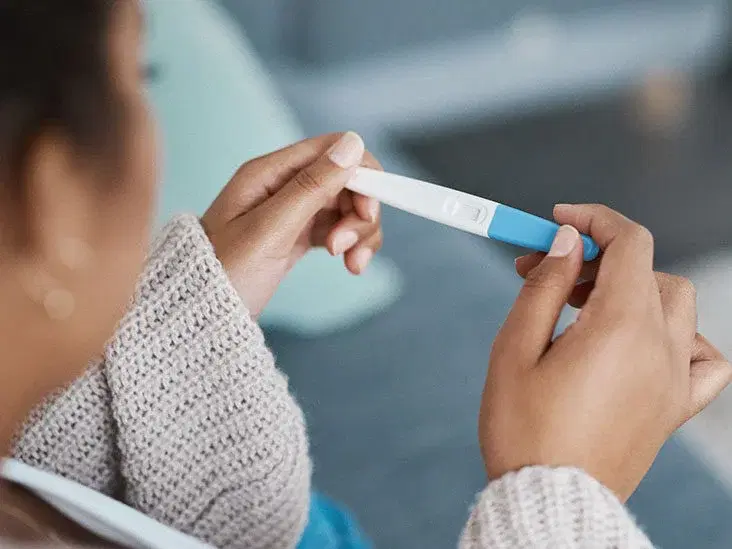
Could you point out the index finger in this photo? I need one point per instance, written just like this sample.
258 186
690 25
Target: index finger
262 177
282 165
627 259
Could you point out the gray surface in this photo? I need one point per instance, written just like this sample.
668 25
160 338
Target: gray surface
392 405
678 185
681 504
329 32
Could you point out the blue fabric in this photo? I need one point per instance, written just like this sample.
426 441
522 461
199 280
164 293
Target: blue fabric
331 527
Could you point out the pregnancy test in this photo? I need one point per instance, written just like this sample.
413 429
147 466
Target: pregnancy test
462 210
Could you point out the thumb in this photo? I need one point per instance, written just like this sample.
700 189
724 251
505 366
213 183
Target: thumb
530 325
314 186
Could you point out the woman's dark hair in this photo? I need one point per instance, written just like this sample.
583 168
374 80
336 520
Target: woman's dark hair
54 74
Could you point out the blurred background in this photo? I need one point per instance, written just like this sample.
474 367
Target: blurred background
528 102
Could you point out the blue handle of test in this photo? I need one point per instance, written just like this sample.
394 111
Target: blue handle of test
530 231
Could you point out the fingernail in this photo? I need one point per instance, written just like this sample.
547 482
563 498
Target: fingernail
348 151
362 258
344 241
564 242
373 210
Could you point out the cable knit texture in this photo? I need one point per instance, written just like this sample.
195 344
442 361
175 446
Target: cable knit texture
187 409
540 507
188 420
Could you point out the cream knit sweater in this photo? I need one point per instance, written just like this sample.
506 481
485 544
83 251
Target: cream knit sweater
188 420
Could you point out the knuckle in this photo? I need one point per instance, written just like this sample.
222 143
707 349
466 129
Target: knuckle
307 180
602 209
684 287
687 289
641 235
254 166
679 289
376 239
544 279
603 220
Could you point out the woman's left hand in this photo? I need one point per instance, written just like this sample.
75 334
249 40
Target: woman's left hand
279 206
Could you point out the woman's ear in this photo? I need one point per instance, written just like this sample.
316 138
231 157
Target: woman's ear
60 200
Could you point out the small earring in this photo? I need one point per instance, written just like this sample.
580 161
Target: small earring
75 255
58 302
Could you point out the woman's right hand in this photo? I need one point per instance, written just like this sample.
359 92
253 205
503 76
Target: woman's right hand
607 393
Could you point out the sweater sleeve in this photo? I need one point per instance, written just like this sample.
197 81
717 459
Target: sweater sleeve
210 440
541 507
186 418
72 434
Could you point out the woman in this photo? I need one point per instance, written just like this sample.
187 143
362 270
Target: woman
183 416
